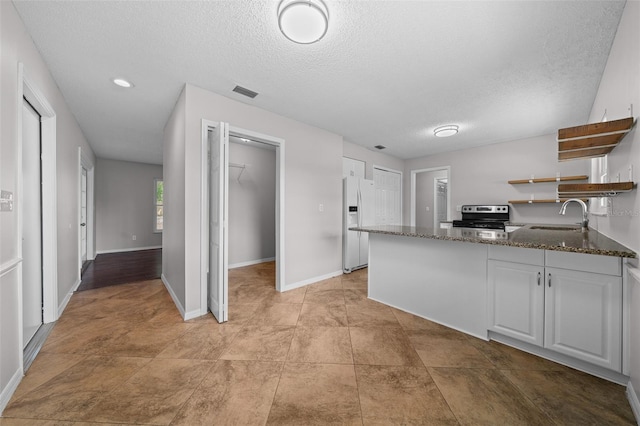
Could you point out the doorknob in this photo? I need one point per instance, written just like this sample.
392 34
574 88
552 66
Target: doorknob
83 224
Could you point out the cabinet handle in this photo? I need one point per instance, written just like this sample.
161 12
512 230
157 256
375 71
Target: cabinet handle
549 279
539 279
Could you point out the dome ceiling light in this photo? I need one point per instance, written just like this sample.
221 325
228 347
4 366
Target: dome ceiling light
122 83
303 21
446 131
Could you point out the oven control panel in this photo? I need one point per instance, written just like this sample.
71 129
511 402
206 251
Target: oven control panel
485 209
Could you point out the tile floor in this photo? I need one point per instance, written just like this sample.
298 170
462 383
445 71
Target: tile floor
323 354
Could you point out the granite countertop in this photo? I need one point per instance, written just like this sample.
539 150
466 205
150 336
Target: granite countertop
545 237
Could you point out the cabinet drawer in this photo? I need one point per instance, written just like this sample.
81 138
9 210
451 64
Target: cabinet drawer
517 254
610 265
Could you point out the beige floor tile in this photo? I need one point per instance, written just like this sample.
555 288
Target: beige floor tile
327 297
371 314
203 341
478 396
569 397
329 345
153 395
291 296
264 343
355 296
233 393
382 346
331 315
276 314
69 395
316 394
412 322
447 349
401 396
240 313
334 283
44 368
505 357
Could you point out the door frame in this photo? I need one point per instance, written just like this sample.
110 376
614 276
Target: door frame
413 190
279 144
436 203
30 91
84 161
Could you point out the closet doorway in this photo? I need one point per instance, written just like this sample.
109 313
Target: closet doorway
218 171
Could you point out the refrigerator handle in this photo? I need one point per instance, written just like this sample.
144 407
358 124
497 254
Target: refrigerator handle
359 203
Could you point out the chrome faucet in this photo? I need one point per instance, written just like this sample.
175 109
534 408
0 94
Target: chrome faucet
585 212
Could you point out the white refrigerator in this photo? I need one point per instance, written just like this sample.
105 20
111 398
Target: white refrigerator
358 205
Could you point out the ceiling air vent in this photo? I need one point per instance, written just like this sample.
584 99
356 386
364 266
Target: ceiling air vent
380 147
246 92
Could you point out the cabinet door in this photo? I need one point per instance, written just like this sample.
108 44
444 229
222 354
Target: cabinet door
516 300
583 316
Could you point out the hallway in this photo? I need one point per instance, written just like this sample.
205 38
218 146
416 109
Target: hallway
322 354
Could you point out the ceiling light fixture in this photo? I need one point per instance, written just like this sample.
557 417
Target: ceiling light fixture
122 83
446 131
303 21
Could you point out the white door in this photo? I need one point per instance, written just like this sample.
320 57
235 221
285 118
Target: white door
218 285
31 223
388 189
83 215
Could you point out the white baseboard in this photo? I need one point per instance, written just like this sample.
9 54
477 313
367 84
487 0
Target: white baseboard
632 396
7 392
173 295
311 280
251 262
67 298
123 250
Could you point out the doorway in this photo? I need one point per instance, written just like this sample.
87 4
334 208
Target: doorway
430 197
86 248
215 215
32 299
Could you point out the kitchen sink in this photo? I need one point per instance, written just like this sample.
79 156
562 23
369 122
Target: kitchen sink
556 228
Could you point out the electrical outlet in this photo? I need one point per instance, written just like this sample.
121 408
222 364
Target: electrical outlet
321 208
133 238
459 208
6 201
427 208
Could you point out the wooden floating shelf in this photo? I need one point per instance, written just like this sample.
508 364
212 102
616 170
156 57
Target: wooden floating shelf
548 179
576 190
592 140
548 201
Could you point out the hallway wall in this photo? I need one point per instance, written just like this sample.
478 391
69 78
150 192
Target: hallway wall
17 47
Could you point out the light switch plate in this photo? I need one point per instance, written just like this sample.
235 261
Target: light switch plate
6 201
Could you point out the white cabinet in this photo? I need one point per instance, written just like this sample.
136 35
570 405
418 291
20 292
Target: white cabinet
583 316
573 312
516 300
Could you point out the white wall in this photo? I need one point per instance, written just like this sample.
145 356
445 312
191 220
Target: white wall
16 46
252 204
313 172
619 88
173 238
371 158
125 196
480 175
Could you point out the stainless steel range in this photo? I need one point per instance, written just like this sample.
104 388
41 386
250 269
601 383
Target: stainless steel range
483 216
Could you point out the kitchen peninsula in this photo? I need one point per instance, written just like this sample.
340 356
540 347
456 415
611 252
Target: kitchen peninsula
551 290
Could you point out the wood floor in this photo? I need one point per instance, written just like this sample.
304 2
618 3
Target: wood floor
321 354
119 268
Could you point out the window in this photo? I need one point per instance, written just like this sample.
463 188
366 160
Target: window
159 207
599 174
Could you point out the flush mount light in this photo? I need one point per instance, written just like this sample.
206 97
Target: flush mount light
303 21
446 131
122 83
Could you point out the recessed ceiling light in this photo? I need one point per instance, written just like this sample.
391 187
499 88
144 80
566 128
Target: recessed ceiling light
446 131
122 83
303 21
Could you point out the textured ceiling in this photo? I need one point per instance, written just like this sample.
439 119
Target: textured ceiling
387 72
